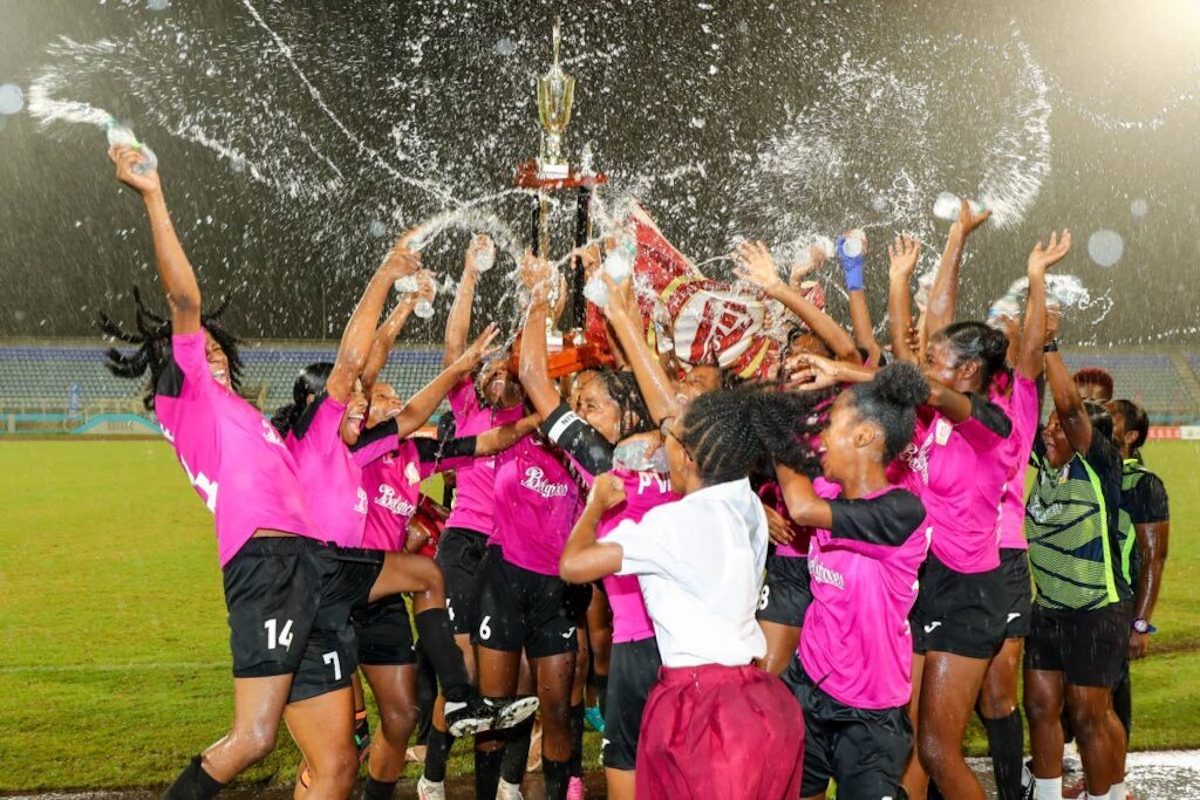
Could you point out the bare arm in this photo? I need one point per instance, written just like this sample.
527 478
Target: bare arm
861 325
1152 539
360 330
503 437
1034 337
803 504
756 266
625 318
584 559
174 270
1071 414
386 335
534 372
944 295
458 323
420 406
902 254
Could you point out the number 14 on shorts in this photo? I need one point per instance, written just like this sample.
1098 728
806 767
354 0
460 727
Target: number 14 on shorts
278 636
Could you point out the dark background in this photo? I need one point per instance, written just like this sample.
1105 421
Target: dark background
700 109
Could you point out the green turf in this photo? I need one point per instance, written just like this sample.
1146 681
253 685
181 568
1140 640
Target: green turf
114 660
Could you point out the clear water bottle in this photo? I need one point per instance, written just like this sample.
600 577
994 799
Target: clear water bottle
410 285
618 265
486 258
423 309
120 135
946 206
852 245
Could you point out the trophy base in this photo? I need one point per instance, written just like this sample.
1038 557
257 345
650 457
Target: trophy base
572 354
553 171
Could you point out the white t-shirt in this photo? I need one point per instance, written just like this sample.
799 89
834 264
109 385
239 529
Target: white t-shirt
700 563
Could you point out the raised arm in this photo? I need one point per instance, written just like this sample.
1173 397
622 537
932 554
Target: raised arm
1072 415
174 270
1033 339
458 324
944 294
756 266
360 330
420 406
861 326
385 337
534 371
902 260
625 318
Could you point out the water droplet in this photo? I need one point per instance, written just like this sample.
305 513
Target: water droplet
158 5
879 203
12 99
504 47
377 228
1106 247
1139 207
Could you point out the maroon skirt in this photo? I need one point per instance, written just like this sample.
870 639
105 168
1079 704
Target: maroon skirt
720 732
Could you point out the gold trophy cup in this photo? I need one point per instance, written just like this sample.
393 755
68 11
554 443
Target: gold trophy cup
555 94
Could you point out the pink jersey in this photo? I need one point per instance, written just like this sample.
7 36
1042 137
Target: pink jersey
855 642
954 470
537 502
771 496
329 473
232 455
393 485
643 491
1021 405
473 499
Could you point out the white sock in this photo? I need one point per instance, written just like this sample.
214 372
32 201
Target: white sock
1047 788
1091 796
1117 792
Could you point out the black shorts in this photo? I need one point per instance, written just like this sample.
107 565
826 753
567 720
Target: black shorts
278 593
520 609
385 635
1018 587
1089 647
786 593
576 599
460 553
632 672
957 612
864 750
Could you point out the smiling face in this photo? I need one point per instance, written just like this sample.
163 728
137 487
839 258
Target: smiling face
849 441
385 404
600 410
497 384
218 362
355 415
943 365
696 381
1058 447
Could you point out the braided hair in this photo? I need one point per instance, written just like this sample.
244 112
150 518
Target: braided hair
890 401
976 341
623 389
1135 420
310 381
153 340
731 433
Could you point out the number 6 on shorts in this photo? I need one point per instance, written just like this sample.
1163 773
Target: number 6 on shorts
485 632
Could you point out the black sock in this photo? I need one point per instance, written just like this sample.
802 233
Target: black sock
576 761
516 752
433 626
1006 741
194 783
602 694
487 773
558 775
933 793
378 790
436 753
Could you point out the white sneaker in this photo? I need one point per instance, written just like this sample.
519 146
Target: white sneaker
508 791
429 790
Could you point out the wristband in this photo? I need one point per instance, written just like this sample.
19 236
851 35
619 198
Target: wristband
852 266
1050 347
1143 626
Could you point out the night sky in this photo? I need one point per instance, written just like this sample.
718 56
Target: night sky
289 170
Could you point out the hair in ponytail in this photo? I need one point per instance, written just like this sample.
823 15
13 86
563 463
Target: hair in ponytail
890 401
153 340
976 341
310 381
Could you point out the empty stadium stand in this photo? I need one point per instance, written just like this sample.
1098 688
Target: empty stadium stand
62 386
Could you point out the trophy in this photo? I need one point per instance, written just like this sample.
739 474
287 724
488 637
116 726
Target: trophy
555 94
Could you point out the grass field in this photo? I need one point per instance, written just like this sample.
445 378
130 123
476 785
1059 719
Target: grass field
114 664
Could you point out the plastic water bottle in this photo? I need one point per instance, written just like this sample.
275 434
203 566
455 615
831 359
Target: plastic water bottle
410 285
486 259
946 206
120 135
618 265
852 245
